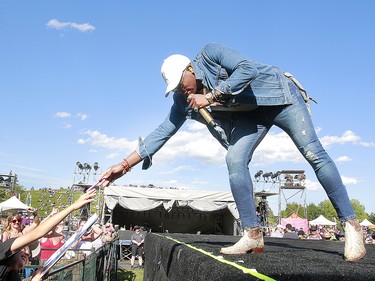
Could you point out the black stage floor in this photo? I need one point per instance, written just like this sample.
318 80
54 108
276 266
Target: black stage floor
197 257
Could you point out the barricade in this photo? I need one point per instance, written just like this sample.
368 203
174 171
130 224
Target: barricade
101 264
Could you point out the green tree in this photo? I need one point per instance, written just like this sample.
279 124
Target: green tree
313 211
293 208
327 210
359 209
13 189
371 218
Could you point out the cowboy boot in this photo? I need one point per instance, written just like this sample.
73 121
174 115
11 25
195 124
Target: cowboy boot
354 241
251 241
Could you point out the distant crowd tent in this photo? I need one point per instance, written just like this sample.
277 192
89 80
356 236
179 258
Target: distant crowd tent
172 210
321 220
13 204
366 222
295 221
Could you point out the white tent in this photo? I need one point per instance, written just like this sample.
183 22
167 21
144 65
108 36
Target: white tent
13 204
365 222
170 206
321 220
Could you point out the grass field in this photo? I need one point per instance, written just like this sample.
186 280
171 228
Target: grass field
130 275
43 200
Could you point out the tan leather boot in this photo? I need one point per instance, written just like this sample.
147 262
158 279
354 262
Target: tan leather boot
354 241
251 241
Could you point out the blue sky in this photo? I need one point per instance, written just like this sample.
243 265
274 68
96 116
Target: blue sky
80 81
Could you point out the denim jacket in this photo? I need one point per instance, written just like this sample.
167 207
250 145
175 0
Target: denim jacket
249 81
221 68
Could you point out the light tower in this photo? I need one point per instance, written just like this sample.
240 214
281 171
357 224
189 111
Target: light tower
83 175
8 181
291 184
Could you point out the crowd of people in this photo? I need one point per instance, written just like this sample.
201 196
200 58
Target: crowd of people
316 232
94 237
16 251
33 242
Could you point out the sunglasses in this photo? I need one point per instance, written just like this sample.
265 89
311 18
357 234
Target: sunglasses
15 221
180 87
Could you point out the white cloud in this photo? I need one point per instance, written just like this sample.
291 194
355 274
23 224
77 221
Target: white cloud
98 139
112 155
178 169
82 141
348 181
82 27
197 142
62 114
82 116
55 24
194 141
276 148
343 159
67 125
347 137
313 185
366 144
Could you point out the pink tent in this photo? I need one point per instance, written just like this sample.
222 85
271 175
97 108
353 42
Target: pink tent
297 223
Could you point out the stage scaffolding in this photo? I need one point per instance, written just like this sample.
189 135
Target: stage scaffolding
288 185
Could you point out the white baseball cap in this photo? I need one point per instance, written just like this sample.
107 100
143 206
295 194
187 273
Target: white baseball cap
172 69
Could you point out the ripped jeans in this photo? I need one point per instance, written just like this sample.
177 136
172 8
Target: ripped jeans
246 130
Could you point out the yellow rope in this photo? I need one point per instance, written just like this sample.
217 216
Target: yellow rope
222 260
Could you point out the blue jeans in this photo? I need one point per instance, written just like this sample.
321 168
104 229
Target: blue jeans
247 130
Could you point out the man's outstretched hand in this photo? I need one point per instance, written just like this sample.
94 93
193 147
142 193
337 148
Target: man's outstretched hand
111 174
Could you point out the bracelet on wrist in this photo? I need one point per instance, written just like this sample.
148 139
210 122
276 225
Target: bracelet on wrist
125 165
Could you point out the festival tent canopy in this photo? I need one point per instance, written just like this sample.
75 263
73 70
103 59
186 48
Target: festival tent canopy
13 204
143 199
168 204
321 220
365 222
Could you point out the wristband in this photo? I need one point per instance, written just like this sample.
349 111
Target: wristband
125 164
